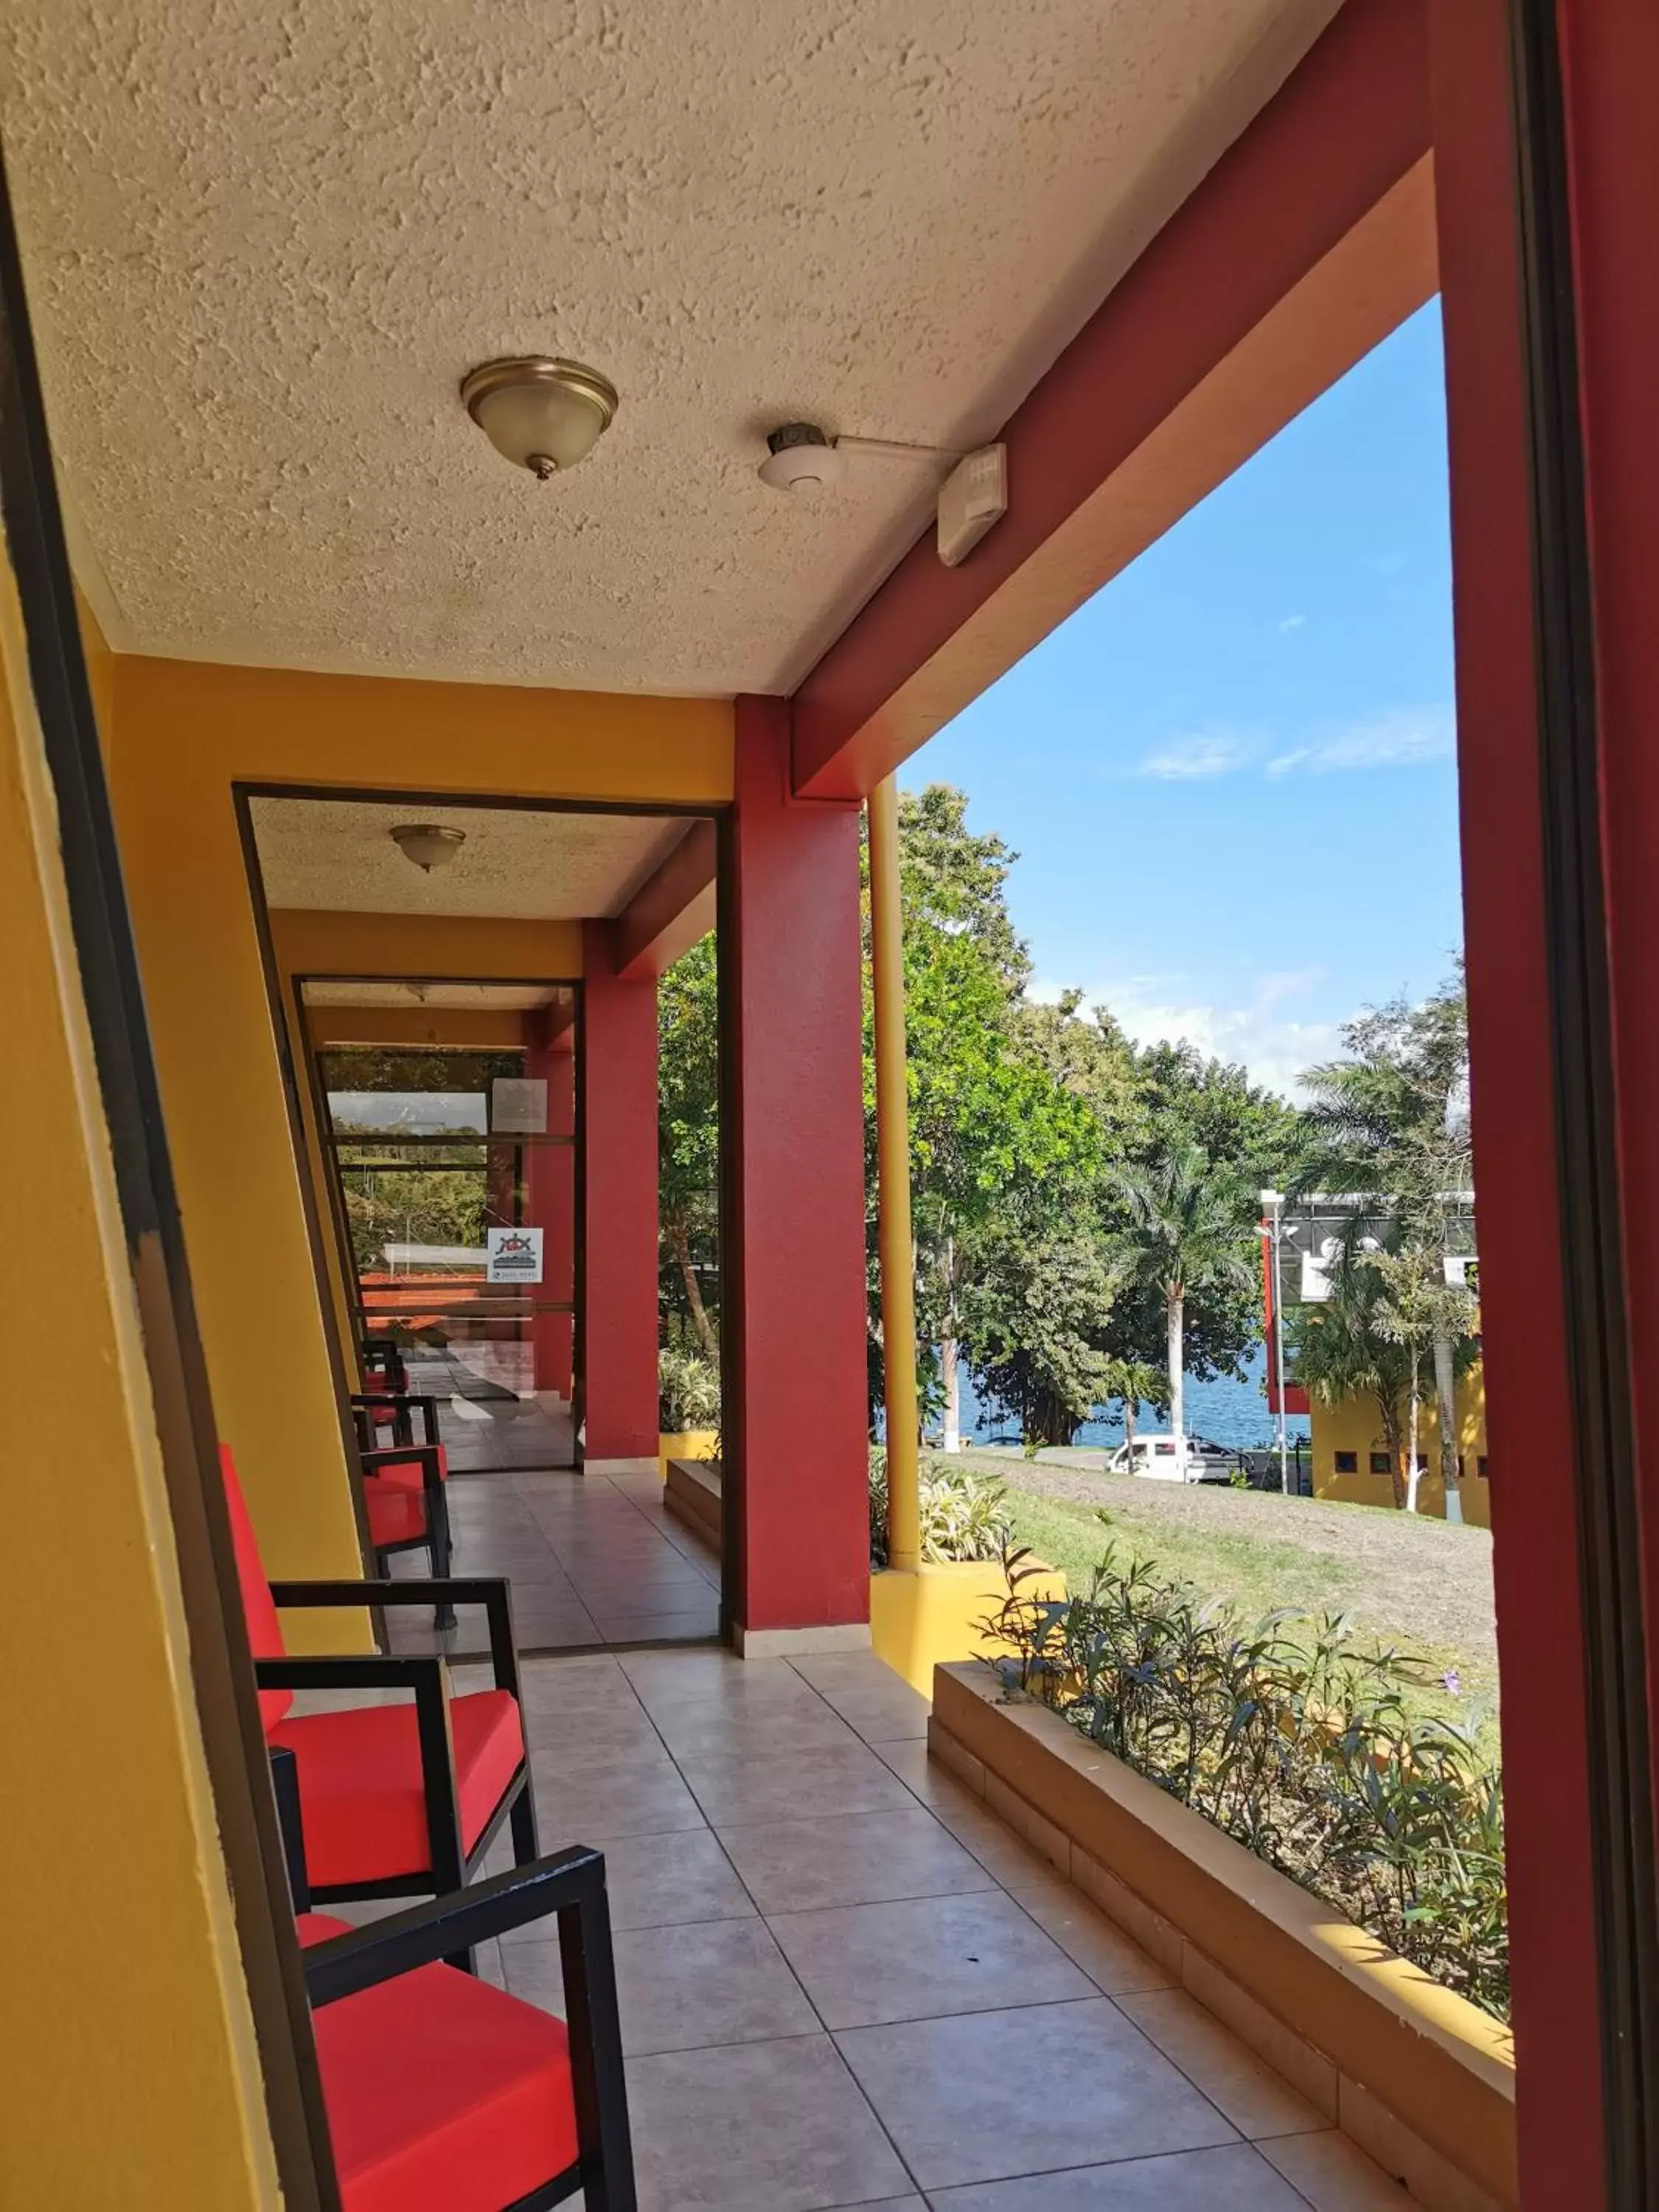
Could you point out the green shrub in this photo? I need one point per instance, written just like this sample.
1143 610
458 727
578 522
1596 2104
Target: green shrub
688 1391
1300 1744
963 1516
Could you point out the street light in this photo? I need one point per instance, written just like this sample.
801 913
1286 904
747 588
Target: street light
1272 1200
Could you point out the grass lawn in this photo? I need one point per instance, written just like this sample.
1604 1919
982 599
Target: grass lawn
1409 1582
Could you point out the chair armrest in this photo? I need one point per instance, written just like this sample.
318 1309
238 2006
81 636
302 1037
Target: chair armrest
491 1591
565 1880
428 1678
403 1404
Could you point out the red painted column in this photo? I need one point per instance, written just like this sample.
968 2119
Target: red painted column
1538 1458
618 1079
550 1205
794 1433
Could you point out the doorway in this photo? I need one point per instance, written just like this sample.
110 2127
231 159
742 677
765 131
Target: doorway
474 1081
452 1173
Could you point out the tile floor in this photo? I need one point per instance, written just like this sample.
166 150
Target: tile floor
844 1983
593 1559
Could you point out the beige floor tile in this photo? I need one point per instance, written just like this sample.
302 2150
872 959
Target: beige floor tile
865 1963
591 1739
987 2096
659 1627
577 1685
661 1880
616 1801
894 1714
831 1673
1110 1959
532 1971
668 1678
808 1784
929 1778
992 1841
762 1729
853 1859
757 2127
716 1981
1236 2179
1258 2101
1335 2175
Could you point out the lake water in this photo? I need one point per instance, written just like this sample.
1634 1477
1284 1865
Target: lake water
1222 1410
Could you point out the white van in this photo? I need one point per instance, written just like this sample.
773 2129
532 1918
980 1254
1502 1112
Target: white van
1154 1457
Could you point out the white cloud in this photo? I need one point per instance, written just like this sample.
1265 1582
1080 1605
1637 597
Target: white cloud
1262 1033
1403 737
1290 623
1193 760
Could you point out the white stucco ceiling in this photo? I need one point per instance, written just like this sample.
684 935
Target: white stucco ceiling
265 240
337 855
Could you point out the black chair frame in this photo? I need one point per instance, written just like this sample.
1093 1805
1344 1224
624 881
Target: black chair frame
570 1883
404 1405
450 1866
380 1356
435 1540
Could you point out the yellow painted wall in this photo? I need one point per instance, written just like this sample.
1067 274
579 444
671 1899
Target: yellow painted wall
128 2073
456 1029
928 1618
185 733
1353 1426
463 947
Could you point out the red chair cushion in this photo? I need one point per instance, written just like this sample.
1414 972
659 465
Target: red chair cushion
395 1516
361 1798
265 1631
408 1476
444 2094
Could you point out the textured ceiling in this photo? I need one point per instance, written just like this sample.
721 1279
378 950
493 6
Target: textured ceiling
337 855
265 240
498 998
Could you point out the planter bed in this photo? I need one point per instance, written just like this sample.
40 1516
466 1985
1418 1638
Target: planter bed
1420 2078
693 1495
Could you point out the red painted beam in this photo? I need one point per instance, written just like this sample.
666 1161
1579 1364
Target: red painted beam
1311 238
668 912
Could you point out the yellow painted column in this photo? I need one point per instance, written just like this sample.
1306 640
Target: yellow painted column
130 2074
899 1286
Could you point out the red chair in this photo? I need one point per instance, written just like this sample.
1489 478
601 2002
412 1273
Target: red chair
404 1507
393 1800
445 2094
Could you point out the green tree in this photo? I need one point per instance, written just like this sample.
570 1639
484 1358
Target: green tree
996 1144
1389 1125
1191 1221
1031 1315
688 1127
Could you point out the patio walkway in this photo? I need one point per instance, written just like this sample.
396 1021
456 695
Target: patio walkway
844 1983
592 1559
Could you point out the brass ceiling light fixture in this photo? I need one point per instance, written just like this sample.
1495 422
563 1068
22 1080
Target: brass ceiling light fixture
540 412
428 844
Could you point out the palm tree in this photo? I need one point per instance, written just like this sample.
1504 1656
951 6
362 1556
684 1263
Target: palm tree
1135 1384
1190 1221
1349 1346
1390 1126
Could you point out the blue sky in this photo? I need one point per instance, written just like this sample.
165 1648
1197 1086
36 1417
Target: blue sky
1230 776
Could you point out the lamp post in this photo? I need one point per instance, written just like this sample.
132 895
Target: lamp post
1272 1200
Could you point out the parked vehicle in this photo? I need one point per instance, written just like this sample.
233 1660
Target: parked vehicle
1155 1458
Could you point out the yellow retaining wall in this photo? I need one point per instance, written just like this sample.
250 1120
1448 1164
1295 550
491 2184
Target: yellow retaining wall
1353 1426
685 1444
129 2075
931 1618
185 733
